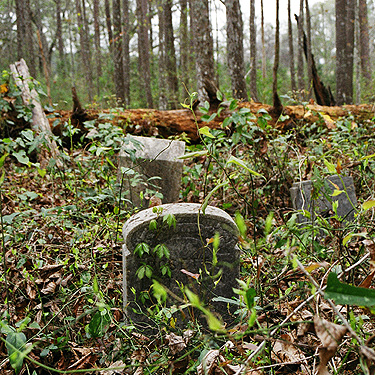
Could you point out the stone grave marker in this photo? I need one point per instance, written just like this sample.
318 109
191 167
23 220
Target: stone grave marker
154 157
301 195
189 257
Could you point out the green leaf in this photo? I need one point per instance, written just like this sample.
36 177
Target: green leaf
331 167
194 154
206 131
368 204
99 324
2 159
336 193
207 118
209 195
142 248
2 178
234 160
15 344
219 95
233 105
345 294
21 157
250 294
240 221
159 291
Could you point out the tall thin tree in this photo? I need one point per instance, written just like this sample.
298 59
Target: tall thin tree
291 50
117 51
364 44
253 53
235 54
204 51
143 50
126 50
300 63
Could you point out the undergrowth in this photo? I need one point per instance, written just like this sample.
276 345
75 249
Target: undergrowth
61 259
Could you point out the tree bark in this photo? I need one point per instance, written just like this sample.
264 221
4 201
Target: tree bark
184 44
85 52
309 49
263 42
204 52
126 51
40 123
364 44
98 55
143 50
253 53
118 69
59 33
277 106
235 52
108 21
291 51
300 65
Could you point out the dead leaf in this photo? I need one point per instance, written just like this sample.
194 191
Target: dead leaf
49 288
330 335
188 273
209 363
176 343
114 369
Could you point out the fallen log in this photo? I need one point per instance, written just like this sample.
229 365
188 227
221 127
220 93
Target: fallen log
152 122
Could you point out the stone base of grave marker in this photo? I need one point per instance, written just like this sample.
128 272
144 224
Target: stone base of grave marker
190 258
154 157
301 195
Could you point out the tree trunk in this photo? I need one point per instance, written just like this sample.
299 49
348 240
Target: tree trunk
364 44
350 23
204 52
277 106
235 49
170 56
85 54
309 51
291 51
118 64
163 100
98 55
300 65
143 50
184 45
263 42
59 34
126 51
253 53
40 123
108 22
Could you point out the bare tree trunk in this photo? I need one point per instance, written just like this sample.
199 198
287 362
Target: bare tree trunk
163 100
291 50
184 44
108 23
170 56
85 52
364 41
345 15
263 42
309 52
45 68
60 41
117 52
235 49
143 50
253 53
98 56
276 99
204 52
300 65
350 26
126 51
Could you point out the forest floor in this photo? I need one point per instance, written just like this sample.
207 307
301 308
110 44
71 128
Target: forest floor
61 271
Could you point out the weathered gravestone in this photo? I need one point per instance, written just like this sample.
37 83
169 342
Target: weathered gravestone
304 197
156 159
189 257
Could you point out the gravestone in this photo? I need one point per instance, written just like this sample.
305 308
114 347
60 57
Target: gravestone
189 256
156 159
301 195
